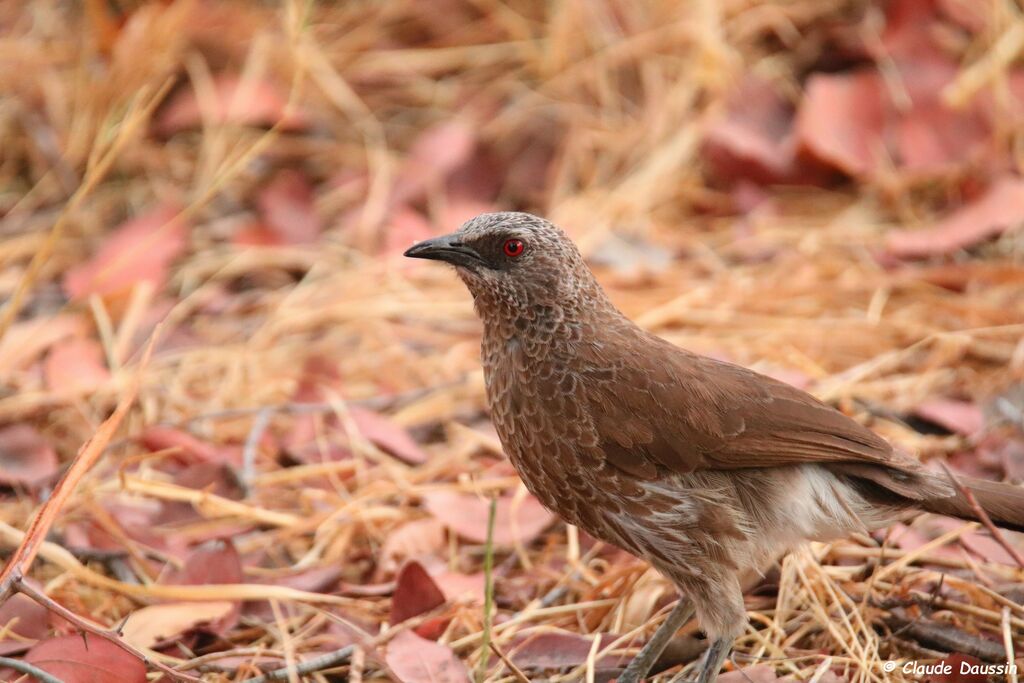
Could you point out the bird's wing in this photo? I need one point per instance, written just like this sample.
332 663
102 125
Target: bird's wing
675 410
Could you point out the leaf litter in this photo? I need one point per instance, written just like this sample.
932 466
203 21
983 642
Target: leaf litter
828 193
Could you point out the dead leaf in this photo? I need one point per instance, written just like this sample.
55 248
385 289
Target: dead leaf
959 417
83 658
76 365
561 649
156 623
753 140
461 587
998 210
436 153
235 101
216 563
26 457
23 616
387 435
466 515
27 340
418 660
190 450
415 593
841 120
412 540
288 208
140 250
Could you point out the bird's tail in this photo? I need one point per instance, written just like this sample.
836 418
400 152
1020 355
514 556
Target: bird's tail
1003 503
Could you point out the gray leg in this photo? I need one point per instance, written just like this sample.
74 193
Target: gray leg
714 659
645 659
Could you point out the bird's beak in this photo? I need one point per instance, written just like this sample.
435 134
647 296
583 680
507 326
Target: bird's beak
446 248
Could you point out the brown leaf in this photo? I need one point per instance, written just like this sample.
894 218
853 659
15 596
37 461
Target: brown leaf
418 660
466 515
140 250
25 341
216 563
287 206
192 450
753 141
841 120
561 649
959 417
415 593
212 477
157 623
23 616
436 153
76 364
959 667
387 435
235 101
998 210
26 457
83 658
935 138
412 540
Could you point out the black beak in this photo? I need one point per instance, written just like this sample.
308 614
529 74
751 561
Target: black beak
446 248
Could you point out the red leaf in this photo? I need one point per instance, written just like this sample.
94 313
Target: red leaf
415 593
31 618
388 436
217 563
86 659
753 140
76 364
466 515
933 137
26 457
140 250
418 660
436 153
288 208
998 210
841 120
959 417
242 102
192 450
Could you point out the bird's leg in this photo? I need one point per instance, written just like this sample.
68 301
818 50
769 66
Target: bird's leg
714 659
645 659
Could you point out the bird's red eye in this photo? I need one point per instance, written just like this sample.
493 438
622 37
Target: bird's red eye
514 248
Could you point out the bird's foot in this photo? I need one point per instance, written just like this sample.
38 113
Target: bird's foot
713 660
648 655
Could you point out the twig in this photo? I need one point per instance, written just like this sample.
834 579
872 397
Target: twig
26 668
114 637
252 444
984 518
327 661
516 671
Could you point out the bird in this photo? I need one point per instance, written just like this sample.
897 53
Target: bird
707 470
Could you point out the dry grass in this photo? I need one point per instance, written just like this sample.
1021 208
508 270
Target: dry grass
615 116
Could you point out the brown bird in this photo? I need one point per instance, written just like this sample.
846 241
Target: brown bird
707 470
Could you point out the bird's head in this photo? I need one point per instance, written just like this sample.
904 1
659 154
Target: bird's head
511 261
